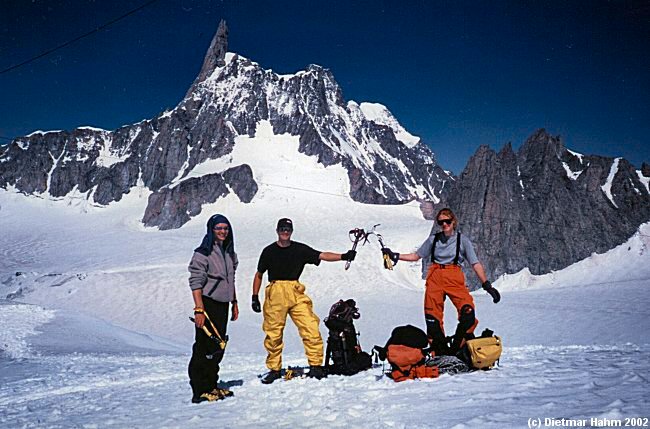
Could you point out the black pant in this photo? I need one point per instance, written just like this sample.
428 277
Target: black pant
206 353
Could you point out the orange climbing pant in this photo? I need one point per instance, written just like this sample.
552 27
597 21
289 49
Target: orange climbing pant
446 281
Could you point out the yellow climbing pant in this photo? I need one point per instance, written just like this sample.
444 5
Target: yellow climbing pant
284 297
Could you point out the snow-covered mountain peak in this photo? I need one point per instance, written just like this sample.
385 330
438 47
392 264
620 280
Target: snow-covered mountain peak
379 114
232 97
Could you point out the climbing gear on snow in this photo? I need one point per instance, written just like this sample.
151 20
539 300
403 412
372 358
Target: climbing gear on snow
407 352
343 353
448 364
291 373
485 351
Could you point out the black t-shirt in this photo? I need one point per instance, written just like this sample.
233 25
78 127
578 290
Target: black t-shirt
286 263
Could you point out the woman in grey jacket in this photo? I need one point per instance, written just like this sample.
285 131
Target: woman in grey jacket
212 280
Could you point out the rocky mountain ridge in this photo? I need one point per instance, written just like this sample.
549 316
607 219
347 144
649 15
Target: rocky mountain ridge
545 207
229 98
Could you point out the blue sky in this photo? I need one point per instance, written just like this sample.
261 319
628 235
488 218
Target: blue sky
458 74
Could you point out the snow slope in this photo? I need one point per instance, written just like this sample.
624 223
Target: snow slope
95 330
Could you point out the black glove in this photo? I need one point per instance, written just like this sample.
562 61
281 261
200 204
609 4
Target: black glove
255 304
487 286
349 255
394 257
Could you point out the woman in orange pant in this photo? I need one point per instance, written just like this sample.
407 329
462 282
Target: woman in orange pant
447 250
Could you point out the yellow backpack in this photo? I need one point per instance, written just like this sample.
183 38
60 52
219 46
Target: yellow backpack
484 352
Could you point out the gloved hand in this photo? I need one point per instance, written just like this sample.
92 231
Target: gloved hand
487 286
349 255
255 304
393 256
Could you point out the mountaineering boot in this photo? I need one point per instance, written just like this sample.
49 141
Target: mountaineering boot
222 393
207 396
465 322
271 376
439 344
317 372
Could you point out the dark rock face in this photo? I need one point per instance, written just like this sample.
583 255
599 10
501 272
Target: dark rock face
545 207
170 208
216 52
645 169
230 96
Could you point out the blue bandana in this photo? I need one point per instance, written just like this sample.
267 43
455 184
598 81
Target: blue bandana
208 240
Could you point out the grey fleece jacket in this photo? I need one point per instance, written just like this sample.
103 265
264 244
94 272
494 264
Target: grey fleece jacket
215 274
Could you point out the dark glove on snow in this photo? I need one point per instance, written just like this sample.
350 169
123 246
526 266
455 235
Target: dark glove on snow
349 255
394 257
255 304
487 286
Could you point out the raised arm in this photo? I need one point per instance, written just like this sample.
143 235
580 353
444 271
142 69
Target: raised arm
411 257
333 257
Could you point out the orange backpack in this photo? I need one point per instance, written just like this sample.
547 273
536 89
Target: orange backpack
405 352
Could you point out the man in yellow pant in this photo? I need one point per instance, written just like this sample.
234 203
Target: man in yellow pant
285 295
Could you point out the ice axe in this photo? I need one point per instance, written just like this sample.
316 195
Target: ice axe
221 342
388 263
358 234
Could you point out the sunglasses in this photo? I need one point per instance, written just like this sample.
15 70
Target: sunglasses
447 221
285 229
220 228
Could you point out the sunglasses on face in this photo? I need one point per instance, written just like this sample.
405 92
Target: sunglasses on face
447 221
220 228
284 229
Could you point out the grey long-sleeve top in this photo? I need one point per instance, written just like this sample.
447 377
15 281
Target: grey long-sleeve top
214 274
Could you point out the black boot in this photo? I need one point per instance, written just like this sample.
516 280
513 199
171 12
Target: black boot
465 322
271 376
438 340
317 372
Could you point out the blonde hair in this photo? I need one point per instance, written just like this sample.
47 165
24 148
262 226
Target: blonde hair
448 212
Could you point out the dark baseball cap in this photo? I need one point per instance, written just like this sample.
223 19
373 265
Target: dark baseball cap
286 222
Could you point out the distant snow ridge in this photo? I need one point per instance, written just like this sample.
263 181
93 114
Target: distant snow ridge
231 97
379 114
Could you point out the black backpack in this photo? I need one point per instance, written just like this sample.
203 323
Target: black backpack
343 348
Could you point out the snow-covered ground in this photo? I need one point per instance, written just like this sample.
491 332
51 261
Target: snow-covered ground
95 333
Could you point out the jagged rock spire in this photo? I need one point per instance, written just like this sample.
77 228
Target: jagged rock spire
215 57
645 169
